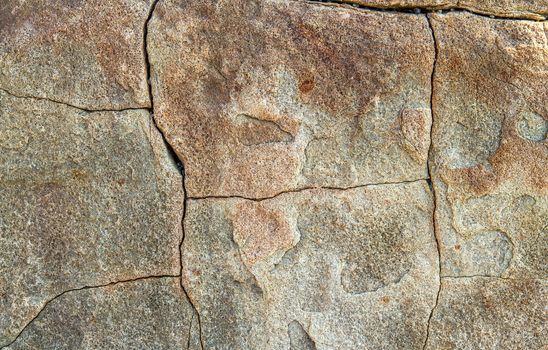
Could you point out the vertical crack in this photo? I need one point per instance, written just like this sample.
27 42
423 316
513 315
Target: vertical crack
429 168
177 161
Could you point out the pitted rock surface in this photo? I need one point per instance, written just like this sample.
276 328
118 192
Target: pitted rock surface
258 98
274 174
489 146
489 313
526 9
84 53
355 268
87 199
150 313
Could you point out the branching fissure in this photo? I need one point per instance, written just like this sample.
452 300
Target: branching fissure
79 289
420 10
176 160
429 168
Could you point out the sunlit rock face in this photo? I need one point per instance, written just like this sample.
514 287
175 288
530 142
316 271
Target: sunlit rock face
258 98
274 174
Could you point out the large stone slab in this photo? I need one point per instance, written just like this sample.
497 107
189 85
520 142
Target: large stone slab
489 146
85 53
144 314
316 269
529 9
86 199
489 313
261 97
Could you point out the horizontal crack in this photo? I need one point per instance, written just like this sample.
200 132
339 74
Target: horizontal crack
490 276
86 110
84 288
424 9
330 188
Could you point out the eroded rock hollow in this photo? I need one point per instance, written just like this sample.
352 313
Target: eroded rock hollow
274 174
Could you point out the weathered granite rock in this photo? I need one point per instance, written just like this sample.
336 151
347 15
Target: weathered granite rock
316 269
489 313
85 53
145 314
261 97
529 9
489 146
86 199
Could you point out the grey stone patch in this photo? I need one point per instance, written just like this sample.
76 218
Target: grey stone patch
489 313
151 313
532 127
87 199
298 249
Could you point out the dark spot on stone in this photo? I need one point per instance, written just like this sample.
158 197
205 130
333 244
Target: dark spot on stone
306 85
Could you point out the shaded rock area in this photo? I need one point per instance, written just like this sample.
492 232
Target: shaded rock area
274 174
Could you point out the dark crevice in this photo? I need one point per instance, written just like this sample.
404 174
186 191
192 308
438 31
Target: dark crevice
304 189
79 289
418 10
189 332
432 187
86 110
177 161
487 276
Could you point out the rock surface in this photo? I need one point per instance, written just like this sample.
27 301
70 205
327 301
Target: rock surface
87 199
356 179
529 9
145 314
489 146
314 269
258 98
85 53
489 313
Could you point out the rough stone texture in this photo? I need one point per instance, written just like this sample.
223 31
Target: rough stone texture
314 269
261 97
530 9
145 314
321 109
490 152
489 313
85 53
86 199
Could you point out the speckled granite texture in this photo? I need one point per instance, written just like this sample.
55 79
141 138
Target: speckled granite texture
273 174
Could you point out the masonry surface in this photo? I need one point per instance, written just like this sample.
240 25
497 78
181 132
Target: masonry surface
275 174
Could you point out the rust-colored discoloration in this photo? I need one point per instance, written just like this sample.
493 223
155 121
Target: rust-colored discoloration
260 231
489 144
312 71
306 85
88 54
